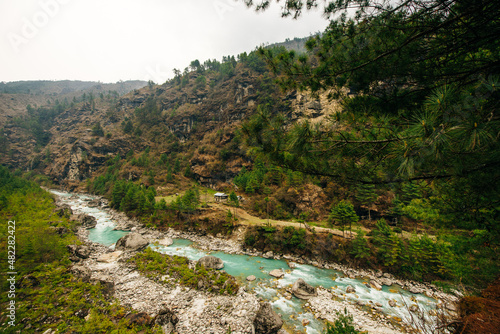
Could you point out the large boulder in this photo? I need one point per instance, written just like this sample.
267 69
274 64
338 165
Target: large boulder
211 262
302 290
167 319
86 220
82 251
278 273
350 289
166 242
82 273
132 241
63 210
375 285
385 281
266 320
109 257
415 290
124 225
78 252
95 203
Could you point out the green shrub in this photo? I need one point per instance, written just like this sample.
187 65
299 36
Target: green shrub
342 325
155 265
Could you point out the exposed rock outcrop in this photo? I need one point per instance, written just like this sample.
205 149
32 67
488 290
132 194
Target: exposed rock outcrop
211 262
302 290
167 319
78 252
81 272
86 221
266 320
109 257
63 211
278 273
132 241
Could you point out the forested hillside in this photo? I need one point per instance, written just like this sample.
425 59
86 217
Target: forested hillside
385 125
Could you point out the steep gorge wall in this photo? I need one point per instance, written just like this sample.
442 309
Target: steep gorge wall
203 119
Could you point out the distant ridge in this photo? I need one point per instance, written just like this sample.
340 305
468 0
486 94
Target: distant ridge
41 87
297 44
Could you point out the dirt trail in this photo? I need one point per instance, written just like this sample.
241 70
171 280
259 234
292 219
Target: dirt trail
244 218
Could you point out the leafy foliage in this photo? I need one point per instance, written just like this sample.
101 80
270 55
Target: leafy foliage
48 296
188 202
423 78
418 86
344 213
342 325
149 113
155 265
37 240
286 240
131 198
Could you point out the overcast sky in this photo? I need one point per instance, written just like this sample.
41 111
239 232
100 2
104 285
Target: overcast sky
111 40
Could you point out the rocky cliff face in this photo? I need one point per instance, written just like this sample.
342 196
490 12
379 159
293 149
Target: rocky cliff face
196 121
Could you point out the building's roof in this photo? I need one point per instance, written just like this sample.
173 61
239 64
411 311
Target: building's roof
220 195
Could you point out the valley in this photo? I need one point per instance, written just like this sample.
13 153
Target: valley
348 182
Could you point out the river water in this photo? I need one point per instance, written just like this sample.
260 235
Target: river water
293 310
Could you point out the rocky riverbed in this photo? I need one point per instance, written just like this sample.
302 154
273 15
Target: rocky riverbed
201 312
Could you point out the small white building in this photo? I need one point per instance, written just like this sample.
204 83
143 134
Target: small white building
219 197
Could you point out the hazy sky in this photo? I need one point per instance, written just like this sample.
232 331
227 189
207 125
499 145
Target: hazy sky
111 40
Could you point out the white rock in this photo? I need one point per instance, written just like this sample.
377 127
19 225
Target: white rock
166 241
109 257
350 289
268 255
374 284
278 273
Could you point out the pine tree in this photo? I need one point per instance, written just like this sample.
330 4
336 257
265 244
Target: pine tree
423 78
344 213
177 166
117 194
365 194
233 199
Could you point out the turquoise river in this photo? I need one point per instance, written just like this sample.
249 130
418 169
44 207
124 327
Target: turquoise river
241 266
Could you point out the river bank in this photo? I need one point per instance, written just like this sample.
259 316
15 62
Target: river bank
202 312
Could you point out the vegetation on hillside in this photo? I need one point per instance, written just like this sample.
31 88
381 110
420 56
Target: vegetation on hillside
420 123
415 142
410 163
164 268
47 295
